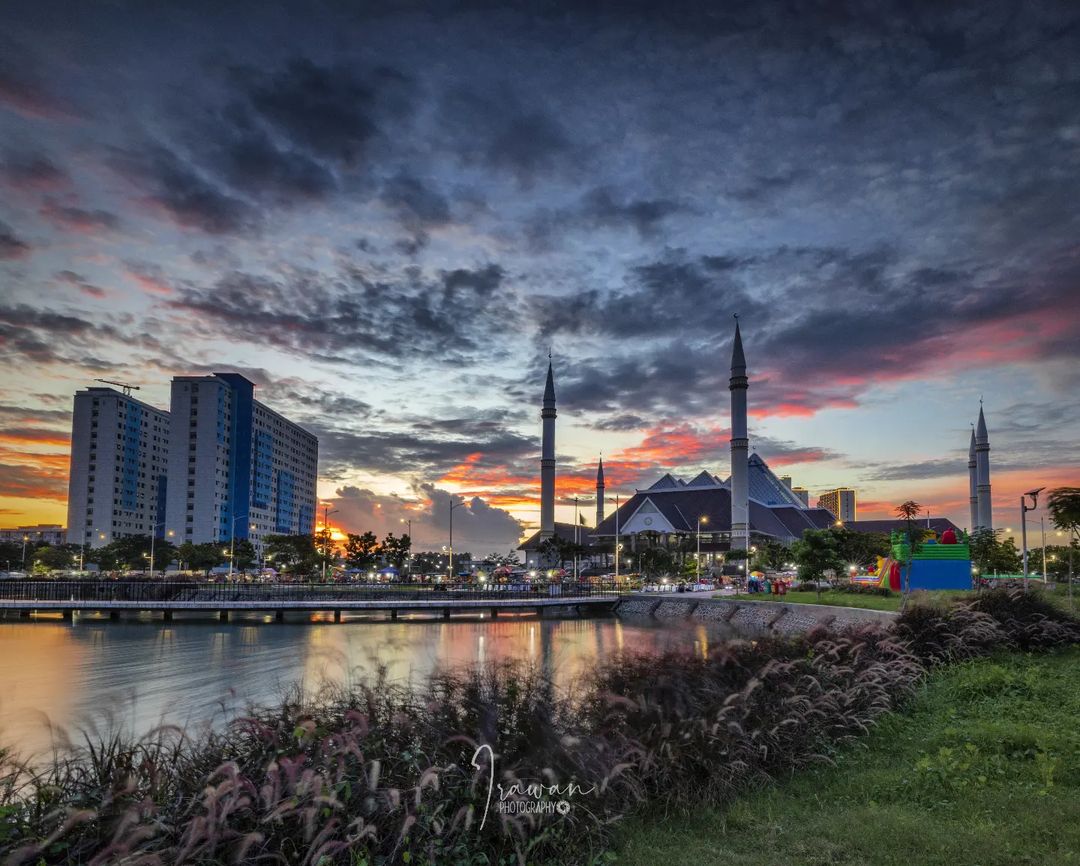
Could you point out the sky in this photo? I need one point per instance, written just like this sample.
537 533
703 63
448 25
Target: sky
388 214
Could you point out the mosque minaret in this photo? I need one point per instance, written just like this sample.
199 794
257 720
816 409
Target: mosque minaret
547 459
982 474
600 493
973 484
740 446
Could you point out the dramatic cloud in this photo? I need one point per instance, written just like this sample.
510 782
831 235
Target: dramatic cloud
78 219
11 246
356 315
184 194
32 173
80 283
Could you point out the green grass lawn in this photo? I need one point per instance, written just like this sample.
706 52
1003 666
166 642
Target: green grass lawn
983 769
851 599
840 599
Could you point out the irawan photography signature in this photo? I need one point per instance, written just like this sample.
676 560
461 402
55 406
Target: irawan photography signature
526 798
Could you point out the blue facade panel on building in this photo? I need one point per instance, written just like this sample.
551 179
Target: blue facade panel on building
286 502
159 506
263 460
129 468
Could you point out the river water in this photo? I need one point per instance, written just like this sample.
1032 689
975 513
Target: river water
140 672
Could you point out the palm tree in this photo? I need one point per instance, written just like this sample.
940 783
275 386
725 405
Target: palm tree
908 511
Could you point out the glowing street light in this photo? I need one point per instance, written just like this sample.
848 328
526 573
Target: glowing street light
704 518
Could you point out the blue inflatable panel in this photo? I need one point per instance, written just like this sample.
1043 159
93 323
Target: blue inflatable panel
941 574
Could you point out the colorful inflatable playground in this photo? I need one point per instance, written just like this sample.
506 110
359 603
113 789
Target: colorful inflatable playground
943 563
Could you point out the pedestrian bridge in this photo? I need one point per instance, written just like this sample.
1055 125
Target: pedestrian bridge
29 597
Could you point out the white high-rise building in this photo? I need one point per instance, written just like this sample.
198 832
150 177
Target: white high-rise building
119 454
237 469
841 502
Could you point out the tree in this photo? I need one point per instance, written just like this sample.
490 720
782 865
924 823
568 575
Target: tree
860 548
991 555
816 553
396 549
1064 506
296 553
244 554
164 553
361 551
54 558
770 554
556 551
11 552
909 511
132 551
657 562
199 557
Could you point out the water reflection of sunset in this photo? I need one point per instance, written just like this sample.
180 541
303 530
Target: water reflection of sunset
142 672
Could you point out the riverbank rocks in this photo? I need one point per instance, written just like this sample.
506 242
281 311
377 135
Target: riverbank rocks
751 617
674 609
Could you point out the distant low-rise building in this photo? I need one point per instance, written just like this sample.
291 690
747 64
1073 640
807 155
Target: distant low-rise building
937 525
50 533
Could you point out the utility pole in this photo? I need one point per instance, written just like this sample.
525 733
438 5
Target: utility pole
702 519
617 554
453 505
326 537
577 536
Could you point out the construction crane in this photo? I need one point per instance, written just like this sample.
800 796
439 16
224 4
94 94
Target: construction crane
127 388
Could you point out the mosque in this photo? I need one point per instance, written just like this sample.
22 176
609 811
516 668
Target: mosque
751 505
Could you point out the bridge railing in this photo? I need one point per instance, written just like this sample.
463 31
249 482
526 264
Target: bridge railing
151 592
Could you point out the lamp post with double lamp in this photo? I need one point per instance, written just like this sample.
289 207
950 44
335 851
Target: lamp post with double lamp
232 541
704 518
453 505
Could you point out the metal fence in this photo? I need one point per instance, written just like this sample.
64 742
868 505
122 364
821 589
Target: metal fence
151 592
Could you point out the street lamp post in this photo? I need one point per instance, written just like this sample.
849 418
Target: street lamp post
232 541
408 523
453 505
702 519
1024 509
25 539
617 539
577 536
153 537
